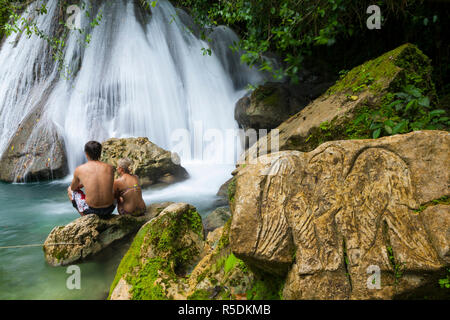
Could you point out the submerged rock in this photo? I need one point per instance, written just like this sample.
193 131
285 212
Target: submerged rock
164 250
35 153
330 218
88 236
151 163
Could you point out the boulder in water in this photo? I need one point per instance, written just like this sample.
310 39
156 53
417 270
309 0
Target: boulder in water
35 153
336 218
88 236
151 163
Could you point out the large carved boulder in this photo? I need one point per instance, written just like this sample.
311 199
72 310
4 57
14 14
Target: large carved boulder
88 236
330 218
35 153
151 163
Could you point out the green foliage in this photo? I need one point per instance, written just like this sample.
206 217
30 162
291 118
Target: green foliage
11 22
292 29
445 282
404 112
398 267
266 287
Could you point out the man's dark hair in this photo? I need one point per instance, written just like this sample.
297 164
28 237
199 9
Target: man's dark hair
93 149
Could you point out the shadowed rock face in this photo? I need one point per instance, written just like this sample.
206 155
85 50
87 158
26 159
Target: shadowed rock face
327 217
35 153
272 103
216 219
151 163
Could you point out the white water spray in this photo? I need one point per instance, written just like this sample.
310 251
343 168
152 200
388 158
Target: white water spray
138 76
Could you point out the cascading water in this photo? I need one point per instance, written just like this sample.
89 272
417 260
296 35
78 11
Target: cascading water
135 78
140 75
26 72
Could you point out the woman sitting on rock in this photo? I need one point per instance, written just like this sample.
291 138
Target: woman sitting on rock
127 191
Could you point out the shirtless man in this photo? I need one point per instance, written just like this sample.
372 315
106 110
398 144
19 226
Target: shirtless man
97 179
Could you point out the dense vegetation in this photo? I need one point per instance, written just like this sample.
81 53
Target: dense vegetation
331 35
333 32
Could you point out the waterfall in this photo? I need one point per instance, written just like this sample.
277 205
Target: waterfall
140 76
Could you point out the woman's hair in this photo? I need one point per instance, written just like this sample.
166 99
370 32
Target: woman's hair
93 149
125 164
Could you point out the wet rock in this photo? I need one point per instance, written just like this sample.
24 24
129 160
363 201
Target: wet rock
88 236
151 163
35 153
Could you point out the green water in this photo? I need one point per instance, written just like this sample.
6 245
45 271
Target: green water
27 215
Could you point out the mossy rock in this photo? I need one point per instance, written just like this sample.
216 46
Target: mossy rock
366 87
222 276
165 249
150 163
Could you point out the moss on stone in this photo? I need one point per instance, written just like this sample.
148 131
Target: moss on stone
200 295
231 190
131 260
405 64
266 287
224 240
382 77
230 263
169 258
61 254
445 200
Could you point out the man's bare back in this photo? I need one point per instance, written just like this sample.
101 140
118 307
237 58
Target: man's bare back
97 178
